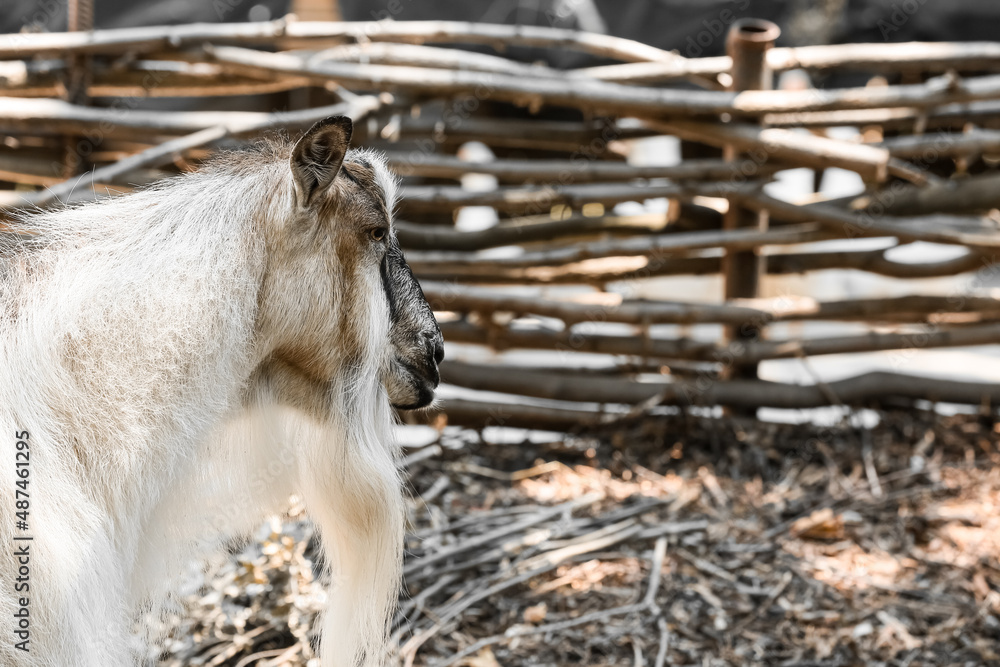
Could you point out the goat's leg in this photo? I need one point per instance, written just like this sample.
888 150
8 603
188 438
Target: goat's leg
358 504
352 491
75 595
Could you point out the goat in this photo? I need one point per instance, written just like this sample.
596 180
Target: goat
176 362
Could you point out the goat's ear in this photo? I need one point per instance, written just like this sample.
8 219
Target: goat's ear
317 157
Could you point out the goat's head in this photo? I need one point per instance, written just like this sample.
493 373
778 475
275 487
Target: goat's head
355 297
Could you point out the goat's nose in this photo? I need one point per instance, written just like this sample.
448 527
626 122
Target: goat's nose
438 351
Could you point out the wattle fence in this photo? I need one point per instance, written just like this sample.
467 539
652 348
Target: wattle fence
76 125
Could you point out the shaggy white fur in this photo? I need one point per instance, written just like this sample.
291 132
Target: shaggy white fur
135 336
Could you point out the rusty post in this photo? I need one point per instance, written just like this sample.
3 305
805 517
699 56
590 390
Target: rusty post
747 44
79 17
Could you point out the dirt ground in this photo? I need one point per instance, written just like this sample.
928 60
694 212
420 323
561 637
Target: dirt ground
665 540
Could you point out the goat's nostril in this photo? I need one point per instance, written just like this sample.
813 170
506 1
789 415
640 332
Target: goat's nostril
438 353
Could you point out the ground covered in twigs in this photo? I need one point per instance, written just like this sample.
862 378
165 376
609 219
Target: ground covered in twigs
662 541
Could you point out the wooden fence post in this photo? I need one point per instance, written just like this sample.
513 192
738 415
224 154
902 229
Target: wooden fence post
79 18
747 44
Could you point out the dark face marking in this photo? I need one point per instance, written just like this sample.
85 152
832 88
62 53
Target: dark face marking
414 333
414 336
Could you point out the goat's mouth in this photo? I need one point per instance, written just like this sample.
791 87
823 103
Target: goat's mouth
411 387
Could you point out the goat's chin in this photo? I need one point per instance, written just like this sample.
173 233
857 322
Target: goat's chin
421 400
410 390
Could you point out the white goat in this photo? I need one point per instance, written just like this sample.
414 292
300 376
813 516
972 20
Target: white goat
175 363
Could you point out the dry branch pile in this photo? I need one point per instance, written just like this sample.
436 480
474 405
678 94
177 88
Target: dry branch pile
737 544
557 147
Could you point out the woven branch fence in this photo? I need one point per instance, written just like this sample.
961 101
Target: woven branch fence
74 129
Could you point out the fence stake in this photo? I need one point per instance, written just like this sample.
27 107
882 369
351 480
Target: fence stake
79 17
747 44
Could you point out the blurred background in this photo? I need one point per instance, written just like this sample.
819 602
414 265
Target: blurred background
663 23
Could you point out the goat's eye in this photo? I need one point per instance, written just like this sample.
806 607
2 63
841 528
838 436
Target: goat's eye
379 234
